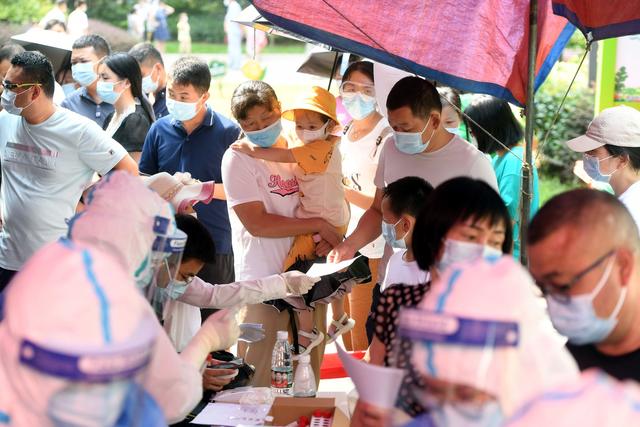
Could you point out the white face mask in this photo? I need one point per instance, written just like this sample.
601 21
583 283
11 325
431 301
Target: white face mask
312 135
148 85
456 252
8 102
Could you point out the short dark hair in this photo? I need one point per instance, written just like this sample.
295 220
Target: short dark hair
191 70
632 152
36 68
417 94
407 195
450 96
200 245
454 201
53 22
98 43
80 3
250 94
496 117
146 54
10 50
364 67
579 207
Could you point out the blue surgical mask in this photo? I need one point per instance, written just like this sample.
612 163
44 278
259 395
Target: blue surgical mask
266 137
488 415
358 105
8 102
107 93
389 234
182 111
456 252
411 142
83 73
577 320
68 89
591 166
148 85
175 289
88 404
455 131
307 136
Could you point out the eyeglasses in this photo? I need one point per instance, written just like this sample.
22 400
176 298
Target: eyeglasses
348 87
560 293
12 86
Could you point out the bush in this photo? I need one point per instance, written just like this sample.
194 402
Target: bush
204 28
556 159
23 11
7 30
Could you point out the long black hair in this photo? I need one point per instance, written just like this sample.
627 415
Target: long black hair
126 67
454 201
496 117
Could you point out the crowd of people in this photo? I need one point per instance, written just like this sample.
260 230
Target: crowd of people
121 293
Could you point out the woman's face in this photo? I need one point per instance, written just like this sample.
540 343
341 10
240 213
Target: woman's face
608 163
107 75
358 82
450 118
260 117
478 231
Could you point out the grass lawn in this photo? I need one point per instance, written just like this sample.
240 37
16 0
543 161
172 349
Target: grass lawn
172 47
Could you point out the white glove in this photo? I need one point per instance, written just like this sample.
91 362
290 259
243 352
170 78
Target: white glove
218 332
298 283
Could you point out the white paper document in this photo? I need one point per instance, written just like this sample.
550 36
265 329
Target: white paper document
231 414
323 268
377 385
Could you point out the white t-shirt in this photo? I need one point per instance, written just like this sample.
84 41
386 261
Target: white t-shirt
631 199
359 164
403 272
247 180
457 158
77 24
45 169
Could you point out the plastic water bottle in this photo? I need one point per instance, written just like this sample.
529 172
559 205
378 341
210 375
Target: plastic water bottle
282 366
304 384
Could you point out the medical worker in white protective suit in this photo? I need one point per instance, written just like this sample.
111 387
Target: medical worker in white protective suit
126 219
484 345
180 313
78 342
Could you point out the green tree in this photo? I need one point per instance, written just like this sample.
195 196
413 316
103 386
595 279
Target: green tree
23 11
621 77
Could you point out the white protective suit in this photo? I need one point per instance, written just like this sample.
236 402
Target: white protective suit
499 290
119 218
72 300
595 400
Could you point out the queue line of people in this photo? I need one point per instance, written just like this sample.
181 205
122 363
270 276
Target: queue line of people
251 208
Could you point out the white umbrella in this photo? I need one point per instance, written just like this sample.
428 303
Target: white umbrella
54 45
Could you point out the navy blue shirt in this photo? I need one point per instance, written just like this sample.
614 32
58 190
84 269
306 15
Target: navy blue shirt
81 102
168 148
160 104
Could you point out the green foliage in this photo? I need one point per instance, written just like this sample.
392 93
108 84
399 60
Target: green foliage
207 28
23 11
577 112
621 77
112 11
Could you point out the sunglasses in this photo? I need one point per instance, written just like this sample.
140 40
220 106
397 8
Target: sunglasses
11 86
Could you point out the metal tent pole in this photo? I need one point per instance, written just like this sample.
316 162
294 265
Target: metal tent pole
333 69
527 175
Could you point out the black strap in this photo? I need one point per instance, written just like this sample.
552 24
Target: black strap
294 329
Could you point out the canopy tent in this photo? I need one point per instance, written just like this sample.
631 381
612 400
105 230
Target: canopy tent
476 46
601 19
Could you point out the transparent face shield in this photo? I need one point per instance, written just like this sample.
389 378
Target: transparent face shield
104 386
453 357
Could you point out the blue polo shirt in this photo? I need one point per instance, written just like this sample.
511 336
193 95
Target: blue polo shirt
168 148
81 102
160 104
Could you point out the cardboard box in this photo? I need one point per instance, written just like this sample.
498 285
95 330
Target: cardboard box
286 410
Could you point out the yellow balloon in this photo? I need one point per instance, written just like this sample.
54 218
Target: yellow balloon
253 70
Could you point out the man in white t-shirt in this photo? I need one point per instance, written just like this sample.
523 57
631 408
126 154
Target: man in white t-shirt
78 23
420 146
49 156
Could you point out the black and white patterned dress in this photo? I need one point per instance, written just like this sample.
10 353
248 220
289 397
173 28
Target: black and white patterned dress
398 351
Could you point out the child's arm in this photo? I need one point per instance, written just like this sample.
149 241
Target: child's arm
279 155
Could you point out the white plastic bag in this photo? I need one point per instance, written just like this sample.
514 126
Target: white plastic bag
181 322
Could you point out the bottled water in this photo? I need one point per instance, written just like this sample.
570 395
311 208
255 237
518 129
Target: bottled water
282 366
304 384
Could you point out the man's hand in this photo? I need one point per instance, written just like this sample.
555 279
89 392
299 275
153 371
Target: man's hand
211 378
323 248
243 147
328 232
342 252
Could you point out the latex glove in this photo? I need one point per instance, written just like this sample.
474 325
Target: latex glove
218 332
298 283
251 332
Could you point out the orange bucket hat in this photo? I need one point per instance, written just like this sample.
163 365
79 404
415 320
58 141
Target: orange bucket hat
315 99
